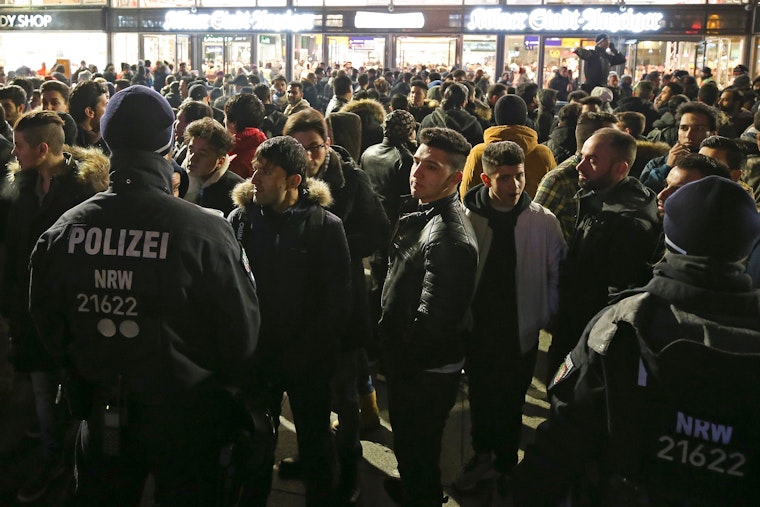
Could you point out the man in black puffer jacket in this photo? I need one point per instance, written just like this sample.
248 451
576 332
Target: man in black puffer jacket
300 257
430 281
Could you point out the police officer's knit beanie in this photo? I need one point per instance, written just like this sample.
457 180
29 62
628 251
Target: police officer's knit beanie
138 118
510 110
712 217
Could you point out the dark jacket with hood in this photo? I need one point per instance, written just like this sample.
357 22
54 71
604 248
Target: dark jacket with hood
242 152
430 281
637 105
372 115
274 121
456 119
388 165
367 230
173 282
84 173
301 263
562 142
616 233
649 370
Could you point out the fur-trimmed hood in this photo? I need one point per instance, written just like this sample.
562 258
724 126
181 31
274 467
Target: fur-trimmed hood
317 192
91 164
366 107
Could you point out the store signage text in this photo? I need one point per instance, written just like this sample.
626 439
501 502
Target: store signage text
238 20
549 20
25 20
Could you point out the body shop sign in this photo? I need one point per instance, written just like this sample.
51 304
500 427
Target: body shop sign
566 20
75 19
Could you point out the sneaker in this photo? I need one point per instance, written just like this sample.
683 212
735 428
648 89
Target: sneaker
479 468
40 480
290 468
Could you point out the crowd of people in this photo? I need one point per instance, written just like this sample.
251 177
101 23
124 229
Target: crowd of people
179 252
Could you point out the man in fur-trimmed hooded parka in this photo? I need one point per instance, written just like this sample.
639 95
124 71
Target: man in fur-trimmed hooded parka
45 182
300 258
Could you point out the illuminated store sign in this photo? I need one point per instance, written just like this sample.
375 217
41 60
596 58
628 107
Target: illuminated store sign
74 19
591 19
254 20
364 19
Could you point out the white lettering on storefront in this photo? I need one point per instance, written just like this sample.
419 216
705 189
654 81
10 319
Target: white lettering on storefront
25 20
238 20
549 20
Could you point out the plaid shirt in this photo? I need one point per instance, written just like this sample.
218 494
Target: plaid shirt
557 193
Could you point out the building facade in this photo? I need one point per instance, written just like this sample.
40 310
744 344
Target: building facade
293 36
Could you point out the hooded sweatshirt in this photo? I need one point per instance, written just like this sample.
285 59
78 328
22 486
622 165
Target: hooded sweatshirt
538 158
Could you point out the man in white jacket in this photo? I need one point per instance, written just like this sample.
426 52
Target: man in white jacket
521 245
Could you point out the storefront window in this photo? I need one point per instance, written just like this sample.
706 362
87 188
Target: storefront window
361 50
307 54
125 48
227 53
270 56
159 48
520 53
33 49
479 52
722 54
558 53
435 52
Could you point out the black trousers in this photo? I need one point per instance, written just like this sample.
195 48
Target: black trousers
499 377
178 444
418 407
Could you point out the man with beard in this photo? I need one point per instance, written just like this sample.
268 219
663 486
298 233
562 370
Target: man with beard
696 121
615 235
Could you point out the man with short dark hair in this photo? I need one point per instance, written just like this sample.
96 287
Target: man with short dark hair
188 112
696 121
692 167
427 292
342 93
299 254
730 102
615 234
54 96
274 119
279 94
520 246
419 106
640 102
244 116
207 163
87 104
296 102
44 184
13 101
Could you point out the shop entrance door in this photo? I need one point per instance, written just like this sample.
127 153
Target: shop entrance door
227 53
434 52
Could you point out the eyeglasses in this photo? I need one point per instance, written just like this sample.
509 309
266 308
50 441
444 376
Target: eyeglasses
313 148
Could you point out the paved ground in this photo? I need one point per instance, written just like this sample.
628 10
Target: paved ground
18 453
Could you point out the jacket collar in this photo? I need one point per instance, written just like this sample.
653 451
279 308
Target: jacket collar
134 169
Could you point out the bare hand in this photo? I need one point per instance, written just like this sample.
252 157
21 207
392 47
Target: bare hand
676 153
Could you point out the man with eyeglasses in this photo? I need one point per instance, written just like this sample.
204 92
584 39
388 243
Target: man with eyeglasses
367 230
696 122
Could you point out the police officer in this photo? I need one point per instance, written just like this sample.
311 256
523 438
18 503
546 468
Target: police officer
149 303
660 395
